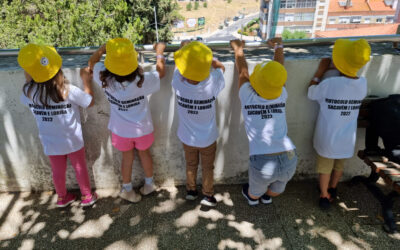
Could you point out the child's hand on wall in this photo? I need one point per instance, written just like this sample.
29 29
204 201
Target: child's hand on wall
184 42
159 48
237 44
276 40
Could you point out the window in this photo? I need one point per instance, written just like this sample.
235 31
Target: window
289 17
355 19
290 4
332 20
344 19
379 20
367 20
304 17
389 19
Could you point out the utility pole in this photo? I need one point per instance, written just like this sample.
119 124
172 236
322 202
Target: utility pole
155 18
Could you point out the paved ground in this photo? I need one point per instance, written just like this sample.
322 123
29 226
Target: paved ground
166 221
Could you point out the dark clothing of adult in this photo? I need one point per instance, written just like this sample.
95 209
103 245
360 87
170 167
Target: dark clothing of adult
384 119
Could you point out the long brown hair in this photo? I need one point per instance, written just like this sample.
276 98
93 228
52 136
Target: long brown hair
52 89
107 77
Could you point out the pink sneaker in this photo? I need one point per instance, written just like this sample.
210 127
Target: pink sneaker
66 200
88 200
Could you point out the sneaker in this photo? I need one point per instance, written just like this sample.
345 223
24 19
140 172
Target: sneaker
266 199
324 203
147 189
66 200
245 192
209 201
191 195
131 196
333 193
88 200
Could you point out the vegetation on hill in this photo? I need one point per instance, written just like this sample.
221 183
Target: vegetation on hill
69 23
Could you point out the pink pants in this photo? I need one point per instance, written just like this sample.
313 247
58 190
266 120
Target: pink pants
59 168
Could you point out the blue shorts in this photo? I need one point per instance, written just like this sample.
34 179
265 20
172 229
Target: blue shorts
271 172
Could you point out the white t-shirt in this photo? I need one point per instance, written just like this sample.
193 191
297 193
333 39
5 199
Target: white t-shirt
59 124
265 121
130 112
339 99
196 108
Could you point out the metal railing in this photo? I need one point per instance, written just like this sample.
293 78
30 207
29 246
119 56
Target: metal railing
220 46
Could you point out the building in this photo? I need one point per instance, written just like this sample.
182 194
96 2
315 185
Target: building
303 15
315 16
353 14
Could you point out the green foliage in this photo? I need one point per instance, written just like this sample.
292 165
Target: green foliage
287 34
196 5
205 5
189 6
229 1
69 23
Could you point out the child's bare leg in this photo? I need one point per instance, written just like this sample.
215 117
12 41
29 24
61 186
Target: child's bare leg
323 185
126 166
335 177
147 162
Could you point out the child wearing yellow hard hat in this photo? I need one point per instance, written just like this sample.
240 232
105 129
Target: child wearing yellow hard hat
339 98
127 88
55 103
263 96
196 88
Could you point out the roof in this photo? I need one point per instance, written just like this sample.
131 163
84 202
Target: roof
357 5
379 5
383 29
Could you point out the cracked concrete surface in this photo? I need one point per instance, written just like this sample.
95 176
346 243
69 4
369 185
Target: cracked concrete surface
164 220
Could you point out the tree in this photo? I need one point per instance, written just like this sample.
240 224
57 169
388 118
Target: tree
71 23
229 1
196 5
286 34
189 6
205 5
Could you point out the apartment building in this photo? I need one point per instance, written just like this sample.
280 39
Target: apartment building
353 14
316 16
303 15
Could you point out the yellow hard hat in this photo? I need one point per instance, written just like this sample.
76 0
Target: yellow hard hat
121 56
268 79
41 62
350 56
194 61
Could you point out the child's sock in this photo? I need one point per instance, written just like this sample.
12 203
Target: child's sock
127 187
148 180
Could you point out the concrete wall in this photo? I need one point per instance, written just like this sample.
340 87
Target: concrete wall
23 166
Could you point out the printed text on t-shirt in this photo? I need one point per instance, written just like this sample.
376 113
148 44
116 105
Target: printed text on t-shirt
193 106
264 111
124 105
346 106
46 112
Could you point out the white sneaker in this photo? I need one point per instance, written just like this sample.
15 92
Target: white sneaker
131 196
147 189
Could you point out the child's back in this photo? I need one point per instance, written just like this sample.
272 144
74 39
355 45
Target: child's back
339 99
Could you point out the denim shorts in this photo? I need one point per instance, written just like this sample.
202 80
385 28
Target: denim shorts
271 172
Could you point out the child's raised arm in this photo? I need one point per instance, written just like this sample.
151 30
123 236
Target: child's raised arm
216 64
322 68
277 44
87 77
160 66
96 56
240 61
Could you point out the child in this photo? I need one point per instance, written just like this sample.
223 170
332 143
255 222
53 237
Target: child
127 87
196 90
339 98
263 96
55 105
